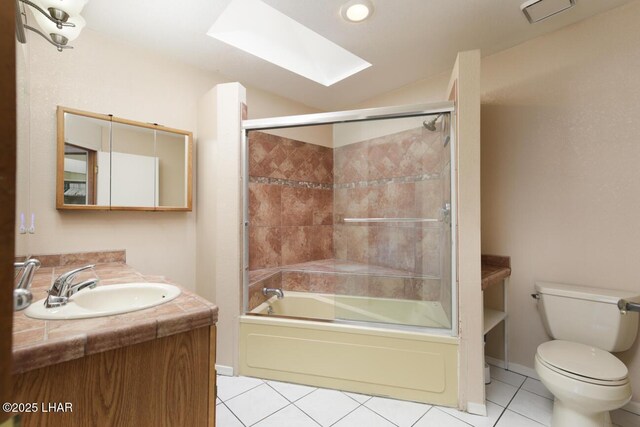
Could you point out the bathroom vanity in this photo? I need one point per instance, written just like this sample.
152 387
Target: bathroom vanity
151 367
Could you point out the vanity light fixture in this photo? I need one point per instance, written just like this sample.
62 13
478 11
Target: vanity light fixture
356 10
60 19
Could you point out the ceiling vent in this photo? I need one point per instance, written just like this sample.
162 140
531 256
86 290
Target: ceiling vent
538 10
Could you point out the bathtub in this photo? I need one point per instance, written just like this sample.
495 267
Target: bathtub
353 345
329 307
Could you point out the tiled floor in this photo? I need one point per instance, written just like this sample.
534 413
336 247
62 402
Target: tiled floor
513 400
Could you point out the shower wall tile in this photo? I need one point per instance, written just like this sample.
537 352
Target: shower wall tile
277 157
256 297
428 250
265 207
323 207
422 289
340 241
357 243
306 243
386 287
264 247
306 206
393 201
407 153
351 163
369 284
297 217
295 281
429 198
324 283
352 285
298 206
393 247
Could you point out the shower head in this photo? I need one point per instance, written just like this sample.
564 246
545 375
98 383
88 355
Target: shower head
431 124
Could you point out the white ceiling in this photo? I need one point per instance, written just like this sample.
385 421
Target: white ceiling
405 40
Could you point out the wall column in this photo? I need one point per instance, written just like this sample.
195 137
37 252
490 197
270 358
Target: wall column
219 246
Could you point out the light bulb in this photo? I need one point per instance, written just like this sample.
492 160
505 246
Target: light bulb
71 33
357 10
72 7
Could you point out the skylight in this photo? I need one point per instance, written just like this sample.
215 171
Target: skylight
262 31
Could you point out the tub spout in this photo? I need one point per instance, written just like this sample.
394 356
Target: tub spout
273 291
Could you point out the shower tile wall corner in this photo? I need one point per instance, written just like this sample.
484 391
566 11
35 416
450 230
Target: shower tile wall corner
290 201
393 176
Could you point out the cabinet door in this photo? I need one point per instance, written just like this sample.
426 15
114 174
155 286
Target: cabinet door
134 166
7 193
84 177
173 151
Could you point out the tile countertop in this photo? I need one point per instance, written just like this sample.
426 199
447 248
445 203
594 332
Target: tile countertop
40 343
495 269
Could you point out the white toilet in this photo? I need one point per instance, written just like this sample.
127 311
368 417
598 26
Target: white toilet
577 368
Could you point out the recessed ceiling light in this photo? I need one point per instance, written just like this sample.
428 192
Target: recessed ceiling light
357 10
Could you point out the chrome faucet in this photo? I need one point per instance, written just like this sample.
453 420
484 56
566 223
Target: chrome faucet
273 291
22 295
62 287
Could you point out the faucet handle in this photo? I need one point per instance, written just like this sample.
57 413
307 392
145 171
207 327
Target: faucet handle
22 295
26 270
59 285
70 274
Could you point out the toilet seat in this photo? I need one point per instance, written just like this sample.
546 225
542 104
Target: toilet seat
583 363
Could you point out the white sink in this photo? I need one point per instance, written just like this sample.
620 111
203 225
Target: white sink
106 301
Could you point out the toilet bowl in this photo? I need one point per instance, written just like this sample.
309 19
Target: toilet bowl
586 382
577 367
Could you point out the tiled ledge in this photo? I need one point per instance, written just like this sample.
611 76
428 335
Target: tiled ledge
332 276
40 343
494 269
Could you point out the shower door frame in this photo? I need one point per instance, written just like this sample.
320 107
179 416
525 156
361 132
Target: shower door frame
403 111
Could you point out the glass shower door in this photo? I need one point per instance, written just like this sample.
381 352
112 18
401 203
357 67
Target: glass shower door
392 228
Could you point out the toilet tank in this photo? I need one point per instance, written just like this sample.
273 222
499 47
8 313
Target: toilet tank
588 315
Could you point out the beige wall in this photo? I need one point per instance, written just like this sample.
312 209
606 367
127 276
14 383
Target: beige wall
220 232
108 76
464 89
560 168
23 95
263 104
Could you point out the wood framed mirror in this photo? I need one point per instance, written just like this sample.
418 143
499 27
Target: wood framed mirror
109 163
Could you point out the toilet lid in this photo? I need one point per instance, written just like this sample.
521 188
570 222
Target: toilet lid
583 360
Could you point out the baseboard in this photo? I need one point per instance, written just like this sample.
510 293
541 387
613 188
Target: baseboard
224 370
513 367
633 407
477 409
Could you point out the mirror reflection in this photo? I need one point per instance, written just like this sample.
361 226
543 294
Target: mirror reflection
112 163
86 161
134 166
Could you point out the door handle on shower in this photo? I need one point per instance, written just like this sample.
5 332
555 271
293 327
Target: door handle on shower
391 220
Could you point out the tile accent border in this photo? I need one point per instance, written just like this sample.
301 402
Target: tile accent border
289 183
385 181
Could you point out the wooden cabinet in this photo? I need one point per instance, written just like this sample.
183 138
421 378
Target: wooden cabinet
165 382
